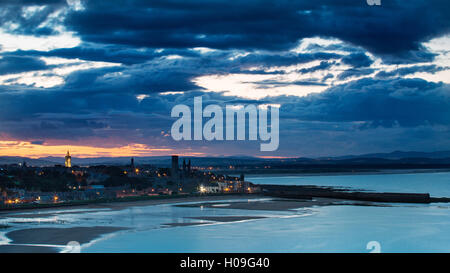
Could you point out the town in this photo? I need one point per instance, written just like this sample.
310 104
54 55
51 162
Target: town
64 184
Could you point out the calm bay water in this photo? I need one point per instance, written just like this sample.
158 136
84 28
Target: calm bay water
437 184
400 228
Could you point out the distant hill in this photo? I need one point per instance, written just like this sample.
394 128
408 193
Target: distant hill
30 161
400 155
165 161
160 161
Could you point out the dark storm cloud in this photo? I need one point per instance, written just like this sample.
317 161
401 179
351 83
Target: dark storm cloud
148 78
21 3
161 74
410 70
17 64
328 76
332 47
412 56
402 102
357 60
390 30
386 103
322 66
71 114
113 54
249 37
274 83
284 59
355 72
336 116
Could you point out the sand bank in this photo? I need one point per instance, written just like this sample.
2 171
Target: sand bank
45 212
24 239
269 205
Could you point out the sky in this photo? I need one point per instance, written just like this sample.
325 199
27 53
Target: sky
100 77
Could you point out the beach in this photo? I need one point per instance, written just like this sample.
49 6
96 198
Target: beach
50 240
53 239
247 223
38 212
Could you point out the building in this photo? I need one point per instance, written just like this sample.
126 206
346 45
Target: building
218 187
175 167
95 190
223 187
68 160
210 189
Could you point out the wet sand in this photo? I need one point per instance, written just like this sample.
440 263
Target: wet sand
225 219
20 239
49 239
40 214
213 219
268 205
184 224
45 212
59 236
27 249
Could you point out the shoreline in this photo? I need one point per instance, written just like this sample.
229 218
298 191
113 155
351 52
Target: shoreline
122 204
53 240
106 203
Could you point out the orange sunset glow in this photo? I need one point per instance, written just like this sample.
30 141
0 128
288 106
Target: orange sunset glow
27 149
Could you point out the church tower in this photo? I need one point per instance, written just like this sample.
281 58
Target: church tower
68 161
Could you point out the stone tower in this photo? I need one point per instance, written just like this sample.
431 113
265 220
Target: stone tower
68 160
175 166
